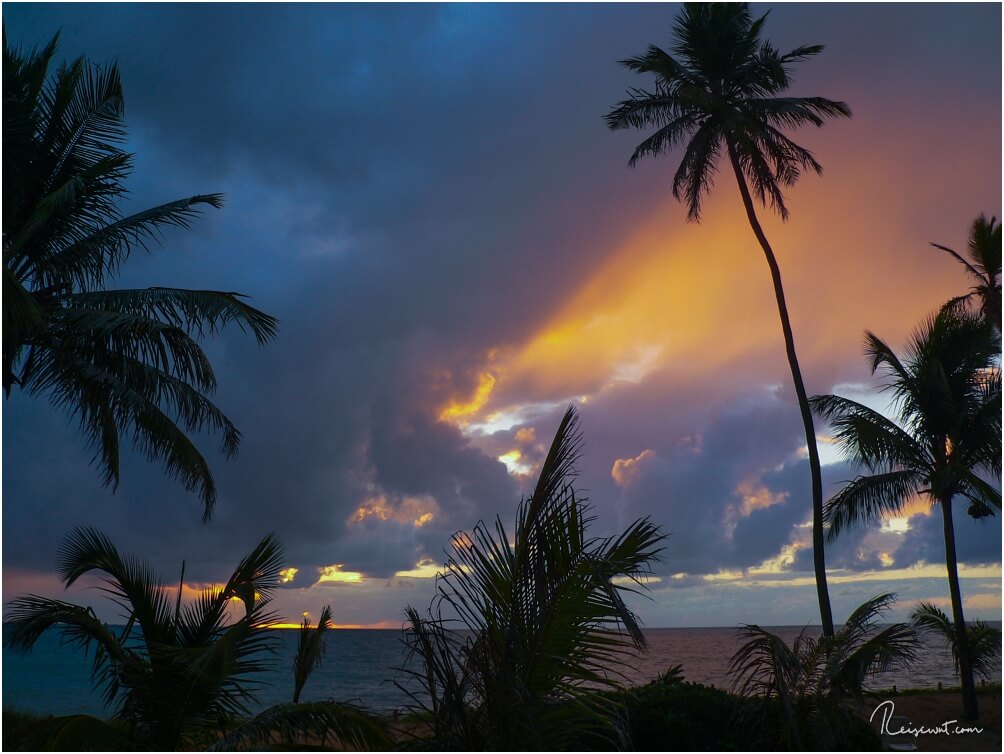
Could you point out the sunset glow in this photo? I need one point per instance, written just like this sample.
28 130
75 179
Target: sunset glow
335 574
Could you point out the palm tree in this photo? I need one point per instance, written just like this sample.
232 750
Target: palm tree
527 626
984 267
721 92
808 691
179 674
948 397
309 650
119 361
984 640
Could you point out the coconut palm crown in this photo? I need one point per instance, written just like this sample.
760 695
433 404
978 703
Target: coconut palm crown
984 268
719 93
945 446
121 362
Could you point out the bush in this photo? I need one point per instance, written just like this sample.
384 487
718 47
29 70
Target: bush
686 717
25 732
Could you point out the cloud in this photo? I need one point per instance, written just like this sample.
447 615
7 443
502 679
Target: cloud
625 470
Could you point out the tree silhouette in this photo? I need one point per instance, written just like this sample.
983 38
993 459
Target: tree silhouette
809 691
528 625
178 674
309 650
119 361
720 92
984 267
948 397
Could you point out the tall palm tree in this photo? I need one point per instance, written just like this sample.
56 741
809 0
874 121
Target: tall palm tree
984 266
808 690
526 626
119 361
177 672
946 441
721 92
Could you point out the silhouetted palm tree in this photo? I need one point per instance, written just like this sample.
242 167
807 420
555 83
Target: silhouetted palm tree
984 640
177 672
948 397
808 690
119 361
984 267
720 92
540 627
309 650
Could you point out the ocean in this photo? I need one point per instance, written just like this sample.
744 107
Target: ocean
361 666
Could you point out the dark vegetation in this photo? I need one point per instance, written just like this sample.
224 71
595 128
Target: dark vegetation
180 676
544 623
120 362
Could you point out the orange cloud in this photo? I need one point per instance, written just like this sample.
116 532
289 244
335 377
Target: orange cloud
333 574
417 510
757 496
526 435
626 470
427 568
460 411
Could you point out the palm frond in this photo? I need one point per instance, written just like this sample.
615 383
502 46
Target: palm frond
199 312
129 582
115 360
865 436
110 393
547 620
864 651
807 691
984 640
982 495
867 499
309 650
89 254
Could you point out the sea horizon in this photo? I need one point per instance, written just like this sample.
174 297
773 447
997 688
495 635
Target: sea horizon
364 665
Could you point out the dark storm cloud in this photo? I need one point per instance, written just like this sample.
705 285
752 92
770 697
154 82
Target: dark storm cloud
694 488
357 212
977 541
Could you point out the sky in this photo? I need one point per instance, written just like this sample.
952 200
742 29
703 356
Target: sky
428 199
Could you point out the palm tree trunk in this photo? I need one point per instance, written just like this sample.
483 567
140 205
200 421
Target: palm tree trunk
970 706
818 557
